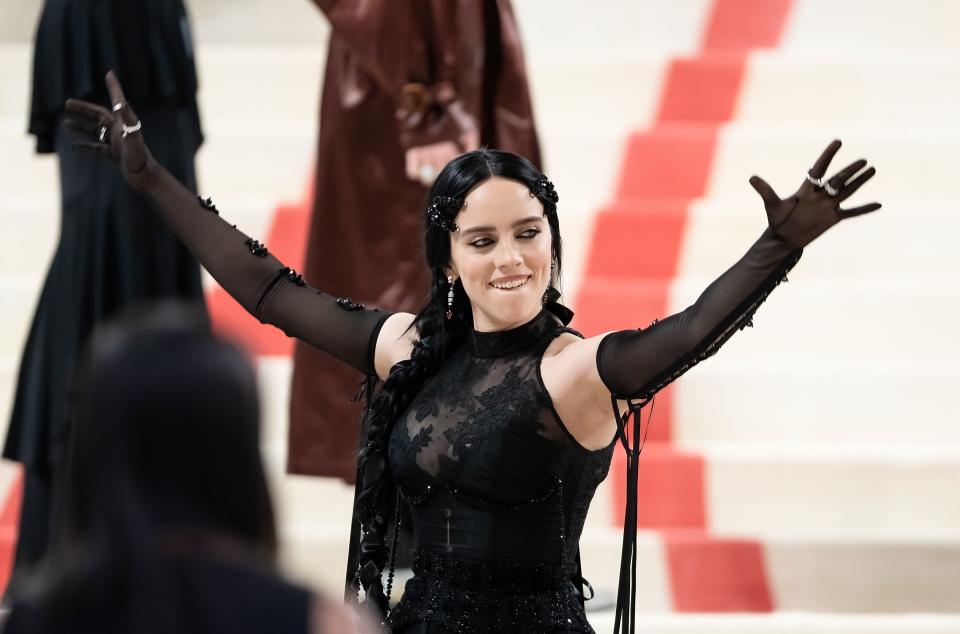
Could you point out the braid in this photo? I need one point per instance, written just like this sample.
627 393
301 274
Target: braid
376 495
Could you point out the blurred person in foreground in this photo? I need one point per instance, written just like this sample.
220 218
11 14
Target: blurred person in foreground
112 250
165 523
408 86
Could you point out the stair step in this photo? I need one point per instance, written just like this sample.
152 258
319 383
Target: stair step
871 24
862 490
785 623
896 242
835 403
803 320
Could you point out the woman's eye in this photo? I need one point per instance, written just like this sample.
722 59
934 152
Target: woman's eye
482 243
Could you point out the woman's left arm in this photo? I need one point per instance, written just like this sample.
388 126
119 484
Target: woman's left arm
638 363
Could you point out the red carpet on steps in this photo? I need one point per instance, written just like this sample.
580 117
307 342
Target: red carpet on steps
9 522
630 268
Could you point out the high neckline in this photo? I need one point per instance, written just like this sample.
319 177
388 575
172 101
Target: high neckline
500 343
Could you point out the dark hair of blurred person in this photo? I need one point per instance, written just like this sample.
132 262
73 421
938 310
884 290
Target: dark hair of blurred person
165 524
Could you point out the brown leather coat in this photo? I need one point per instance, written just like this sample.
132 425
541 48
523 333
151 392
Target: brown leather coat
399 74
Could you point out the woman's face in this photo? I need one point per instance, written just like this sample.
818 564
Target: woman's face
501 254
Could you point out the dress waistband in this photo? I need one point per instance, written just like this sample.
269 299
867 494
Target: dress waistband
487 576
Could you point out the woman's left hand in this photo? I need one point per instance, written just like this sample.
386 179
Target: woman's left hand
113 135
815 207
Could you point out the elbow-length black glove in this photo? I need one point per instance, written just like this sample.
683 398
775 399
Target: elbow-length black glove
266 288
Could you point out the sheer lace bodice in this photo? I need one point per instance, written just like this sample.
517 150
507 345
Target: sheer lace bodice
495 483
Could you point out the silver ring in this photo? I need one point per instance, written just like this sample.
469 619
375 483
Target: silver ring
817 182
117 107
130 129
830 190
102 132
427 174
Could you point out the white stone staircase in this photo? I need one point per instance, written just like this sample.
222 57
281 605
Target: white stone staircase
829 432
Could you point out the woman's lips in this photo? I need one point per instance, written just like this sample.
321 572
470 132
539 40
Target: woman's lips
511 280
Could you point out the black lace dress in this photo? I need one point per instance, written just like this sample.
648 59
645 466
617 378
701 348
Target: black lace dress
498 488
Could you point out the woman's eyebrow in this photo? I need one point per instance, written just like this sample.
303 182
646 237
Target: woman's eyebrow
522 221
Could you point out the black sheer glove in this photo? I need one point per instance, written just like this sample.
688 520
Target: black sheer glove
815 207
116 135
268 290
638 363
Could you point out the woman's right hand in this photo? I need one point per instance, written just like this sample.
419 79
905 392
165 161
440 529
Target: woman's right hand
112 134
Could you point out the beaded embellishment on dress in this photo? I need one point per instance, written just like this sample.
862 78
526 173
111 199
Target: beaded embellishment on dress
497 489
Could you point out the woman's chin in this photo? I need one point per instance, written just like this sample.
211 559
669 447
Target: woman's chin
512 312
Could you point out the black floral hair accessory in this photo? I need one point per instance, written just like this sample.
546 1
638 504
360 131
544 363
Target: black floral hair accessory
443 210
544 190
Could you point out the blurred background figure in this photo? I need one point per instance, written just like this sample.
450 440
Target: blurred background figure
112 250
408 86
165 522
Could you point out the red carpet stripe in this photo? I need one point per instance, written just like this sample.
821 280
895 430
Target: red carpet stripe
631 265
9 523
716 575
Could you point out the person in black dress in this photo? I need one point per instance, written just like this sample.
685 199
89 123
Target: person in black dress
112 250
165 523
494 421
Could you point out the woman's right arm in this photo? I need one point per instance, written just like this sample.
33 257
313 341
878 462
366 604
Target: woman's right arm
268 290
261 283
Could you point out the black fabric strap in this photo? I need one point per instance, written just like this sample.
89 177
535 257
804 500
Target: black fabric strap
625 621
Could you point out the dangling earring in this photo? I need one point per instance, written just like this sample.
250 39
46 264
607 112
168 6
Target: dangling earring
546 299
450 297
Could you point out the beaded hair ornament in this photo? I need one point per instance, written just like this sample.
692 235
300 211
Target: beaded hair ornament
443 209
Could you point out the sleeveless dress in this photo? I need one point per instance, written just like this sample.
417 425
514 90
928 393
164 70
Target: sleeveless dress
498 490
497 487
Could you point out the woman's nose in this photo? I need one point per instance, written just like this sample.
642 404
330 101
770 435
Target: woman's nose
508 254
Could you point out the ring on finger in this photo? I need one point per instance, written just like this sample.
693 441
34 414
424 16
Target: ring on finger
102 132
117 107
130 129
830 189
816 182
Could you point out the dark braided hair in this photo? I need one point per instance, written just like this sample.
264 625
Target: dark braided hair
437 338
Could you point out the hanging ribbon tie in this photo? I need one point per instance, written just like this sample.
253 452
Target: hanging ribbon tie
625 621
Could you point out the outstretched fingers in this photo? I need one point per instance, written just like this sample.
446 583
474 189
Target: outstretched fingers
118 99
85 109
820 167
859 211
83 124
848 190
839 179
766 192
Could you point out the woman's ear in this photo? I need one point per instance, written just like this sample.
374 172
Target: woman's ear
450 271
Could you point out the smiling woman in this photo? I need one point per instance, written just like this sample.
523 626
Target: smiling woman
494 423
504 267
